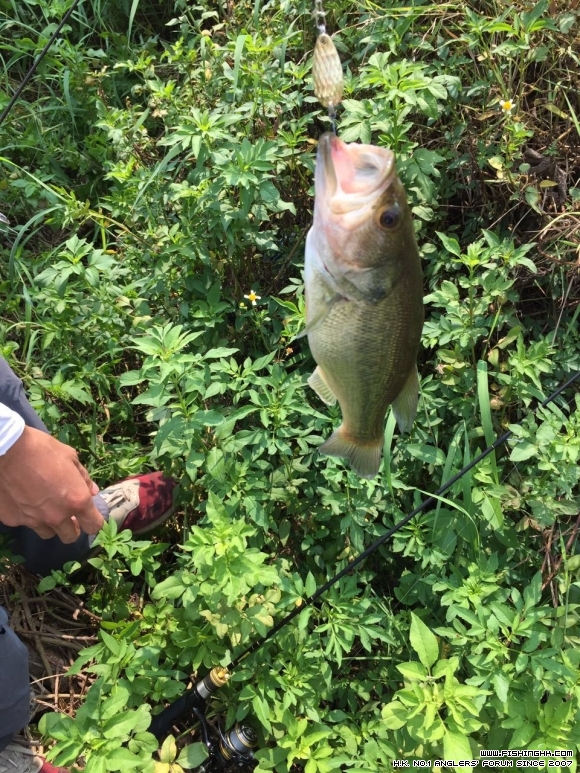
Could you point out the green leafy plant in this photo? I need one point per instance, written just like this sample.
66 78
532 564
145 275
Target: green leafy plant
158 186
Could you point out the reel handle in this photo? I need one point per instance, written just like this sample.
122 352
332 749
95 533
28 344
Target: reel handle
161 724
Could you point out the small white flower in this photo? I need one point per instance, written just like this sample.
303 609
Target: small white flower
507 105
252 297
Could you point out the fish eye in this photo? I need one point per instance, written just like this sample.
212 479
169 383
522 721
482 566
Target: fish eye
389 217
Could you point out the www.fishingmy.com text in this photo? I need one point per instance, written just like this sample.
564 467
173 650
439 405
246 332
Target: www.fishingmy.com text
499 758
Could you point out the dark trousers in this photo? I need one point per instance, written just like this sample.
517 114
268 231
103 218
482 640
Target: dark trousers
40 557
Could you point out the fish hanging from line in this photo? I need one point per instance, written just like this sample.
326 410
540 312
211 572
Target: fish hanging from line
364 298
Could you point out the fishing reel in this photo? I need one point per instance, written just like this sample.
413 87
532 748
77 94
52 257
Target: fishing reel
228 750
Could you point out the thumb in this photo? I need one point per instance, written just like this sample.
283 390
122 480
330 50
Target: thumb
89 518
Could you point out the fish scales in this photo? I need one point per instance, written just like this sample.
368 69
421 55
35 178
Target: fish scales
364 301
340 346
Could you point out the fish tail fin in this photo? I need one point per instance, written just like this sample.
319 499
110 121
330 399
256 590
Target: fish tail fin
364 458
405 404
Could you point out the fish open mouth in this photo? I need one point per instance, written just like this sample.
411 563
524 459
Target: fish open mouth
348 176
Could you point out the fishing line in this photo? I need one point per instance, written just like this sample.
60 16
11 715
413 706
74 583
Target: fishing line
37 61
327 75
319 15
165 718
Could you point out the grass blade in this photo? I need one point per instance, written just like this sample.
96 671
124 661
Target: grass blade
134 6
453 448
389 432
239 50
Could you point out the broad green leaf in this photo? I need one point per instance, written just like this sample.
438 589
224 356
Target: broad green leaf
262 711
193 755
59 726
122 725
97 764
89 712
412 670
209 418
423 641
572 564
122 758
522 451
445 667
503 613
115 702
427 454
456 746
492 512
533 591
315 736
566 22
450 244
131 378
221 351
111 643
501 685
310 584
46 584
394 715
522 735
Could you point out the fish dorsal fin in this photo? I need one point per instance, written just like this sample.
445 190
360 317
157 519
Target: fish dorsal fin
318 383
405 404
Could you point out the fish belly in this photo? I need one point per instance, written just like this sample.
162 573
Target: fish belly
366 353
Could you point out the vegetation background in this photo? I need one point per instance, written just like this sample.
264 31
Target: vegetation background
157 169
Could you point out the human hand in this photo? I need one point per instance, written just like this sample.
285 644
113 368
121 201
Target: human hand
45 487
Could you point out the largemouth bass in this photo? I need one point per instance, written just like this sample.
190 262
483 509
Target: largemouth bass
364 299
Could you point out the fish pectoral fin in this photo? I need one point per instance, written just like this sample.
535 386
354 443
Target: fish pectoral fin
364 458
405 404
321 314
367 284
320 386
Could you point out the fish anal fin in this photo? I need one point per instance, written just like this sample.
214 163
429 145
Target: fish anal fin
405 404
364 458
320 386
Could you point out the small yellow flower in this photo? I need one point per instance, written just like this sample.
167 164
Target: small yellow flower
252 297
507 105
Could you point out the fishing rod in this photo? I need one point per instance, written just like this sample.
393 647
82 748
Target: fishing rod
194 698
37 61
235 750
